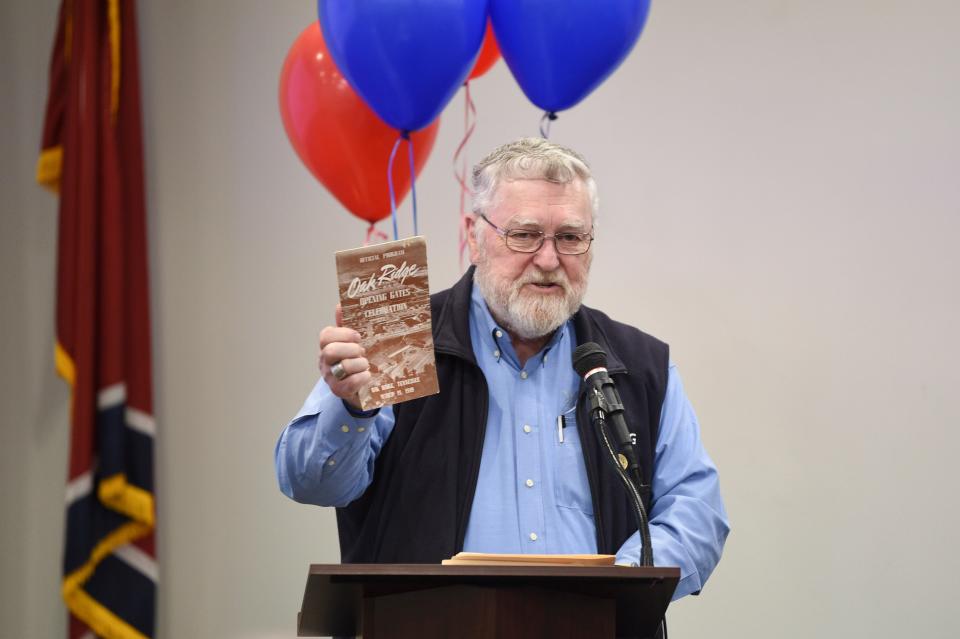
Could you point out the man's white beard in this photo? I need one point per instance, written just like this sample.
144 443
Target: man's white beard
526 314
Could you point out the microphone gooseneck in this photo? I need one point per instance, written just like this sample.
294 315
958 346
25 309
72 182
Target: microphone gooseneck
608 417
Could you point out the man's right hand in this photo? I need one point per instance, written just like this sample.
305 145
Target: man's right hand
341 345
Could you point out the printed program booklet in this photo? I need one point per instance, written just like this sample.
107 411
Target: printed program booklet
385 297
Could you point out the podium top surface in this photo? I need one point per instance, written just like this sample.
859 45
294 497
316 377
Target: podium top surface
363 572
334 593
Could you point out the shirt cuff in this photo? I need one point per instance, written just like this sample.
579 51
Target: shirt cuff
360 414
322 428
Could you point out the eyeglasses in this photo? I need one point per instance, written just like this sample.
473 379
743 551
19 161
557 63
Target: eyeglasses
530 241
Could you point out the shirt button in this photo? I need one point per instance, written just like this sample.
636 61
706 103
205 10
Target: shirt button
361 429
496 353
544 358
523 374
332 462
345 428
533 536
498 334
526 428
529 483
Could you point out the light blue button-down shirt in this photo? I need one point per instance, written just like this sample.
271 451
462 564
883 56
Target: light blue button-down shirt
532 493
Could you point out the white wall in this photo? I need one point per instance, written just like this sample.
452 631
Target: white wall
779 202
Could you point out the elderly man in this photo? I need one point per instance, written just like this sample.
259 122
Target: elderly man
503 459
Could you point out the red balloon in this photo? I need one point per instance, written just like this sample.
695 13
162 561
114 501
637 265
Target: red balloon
338 137
489 53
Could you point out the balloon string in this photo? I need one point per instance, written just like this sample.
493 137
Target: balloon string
460 173
548 117
413 180
374 233
393 199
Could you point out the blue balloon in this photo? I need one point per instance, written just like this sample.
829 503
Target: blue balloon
405 58
559 52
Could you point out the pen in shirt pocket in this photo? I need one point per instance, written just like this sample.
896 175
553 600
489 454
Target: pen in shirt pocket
562 423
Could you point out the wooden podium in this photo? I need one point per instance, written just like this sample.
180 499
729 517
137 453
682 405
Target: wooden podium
403 601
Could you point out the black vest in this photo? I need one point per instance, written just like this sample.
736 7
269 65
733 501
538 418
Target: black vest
417 506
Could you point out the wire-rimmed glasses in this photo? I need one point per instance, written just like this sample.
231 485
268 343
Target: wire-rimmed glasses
530 241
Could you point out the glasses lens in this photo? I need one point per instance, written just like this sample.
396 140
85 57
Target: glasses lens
524 241
572 244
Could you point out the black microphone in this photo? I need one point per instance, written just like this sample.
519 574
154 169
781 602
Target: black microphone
590 362
606 409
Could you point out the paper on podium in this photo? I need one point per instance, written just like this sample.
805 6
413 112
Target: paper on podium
492 559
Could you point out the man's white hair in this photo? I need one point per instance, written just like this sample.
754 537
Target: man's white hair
530 159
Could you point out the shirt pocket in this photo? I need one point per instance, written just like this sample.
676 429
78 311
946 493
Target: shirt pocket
572 489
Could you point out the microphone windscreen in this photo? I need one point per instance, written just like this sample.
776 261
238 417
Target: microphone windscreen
587 357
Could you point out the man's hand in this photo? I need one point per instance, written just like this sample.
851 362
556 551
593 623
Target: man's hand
340 345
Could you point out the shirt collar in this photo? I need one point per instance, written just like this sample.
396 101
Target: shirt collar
496 339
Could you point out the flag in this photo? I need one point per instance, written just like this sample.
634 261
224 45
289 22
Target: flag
92 156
